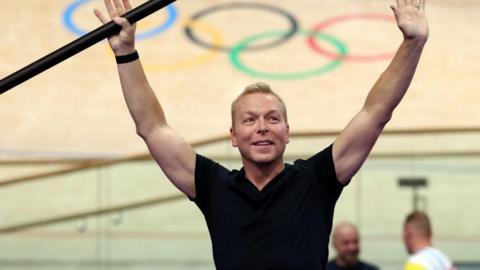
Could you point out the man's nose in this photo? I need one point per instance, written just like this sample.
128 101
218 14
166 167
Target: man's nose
262 125
353 247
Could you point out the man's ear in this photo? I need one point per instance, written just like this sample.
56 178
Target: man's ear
288 133
233 137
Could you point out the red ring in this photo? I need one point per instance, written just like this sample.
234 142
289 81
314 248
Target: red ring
312 42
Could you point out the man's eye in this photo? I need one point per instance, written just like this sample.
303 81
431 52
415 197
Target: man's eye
273 119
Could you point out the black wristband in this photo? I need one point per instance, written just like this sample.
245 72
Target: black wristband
122 59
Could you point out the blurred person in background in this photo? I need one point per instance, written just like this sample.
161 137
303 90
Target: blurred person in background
346 241
417 236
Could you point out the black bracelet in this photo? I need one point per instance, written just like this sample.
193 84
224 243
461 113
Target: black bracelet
122 59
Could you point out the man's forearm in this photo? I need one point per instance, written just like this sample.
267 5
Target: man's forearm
140 98
392 85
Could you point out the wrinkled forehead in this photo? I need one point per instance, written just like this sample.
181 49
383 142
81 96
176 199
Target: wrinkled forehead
258 102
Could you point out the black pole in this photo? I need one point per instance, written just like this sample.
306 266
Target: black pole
79 45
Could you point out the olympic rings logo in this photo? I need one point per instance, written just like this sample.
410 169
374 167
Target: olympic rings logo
216 44
73 7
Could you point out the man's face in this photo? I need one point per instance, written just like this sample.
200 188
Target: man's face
408 232
347 245
260 131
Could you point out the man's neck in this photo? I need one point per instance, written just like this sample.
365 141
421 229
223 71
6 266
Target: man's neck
343 263
421 244
261 174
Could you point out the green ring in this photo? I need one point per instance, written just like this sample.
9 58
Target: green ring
239 47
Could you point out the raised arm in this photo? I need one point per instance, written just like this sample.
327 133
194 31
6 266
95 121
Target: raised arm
355 142
172 153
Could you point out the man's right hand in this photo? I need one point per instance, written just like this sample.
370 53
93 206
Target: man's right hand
124 42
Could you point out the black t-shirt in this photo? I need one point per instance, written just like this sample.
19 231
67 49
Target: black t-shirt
331 265
286 225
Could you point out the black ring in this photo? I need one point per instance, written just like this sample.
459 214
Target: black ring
291 19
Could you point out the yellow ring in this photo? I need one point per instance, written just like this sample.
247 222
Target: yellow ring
200 59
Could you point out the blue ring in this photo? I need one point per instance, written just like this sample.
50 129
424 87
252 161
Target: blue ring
72 27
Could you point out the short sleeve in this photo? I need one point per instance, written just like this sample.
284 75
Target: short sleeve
413 266
206 171
324 168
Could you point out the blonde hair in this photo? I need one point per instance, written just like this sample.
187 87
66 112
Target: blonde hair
259 87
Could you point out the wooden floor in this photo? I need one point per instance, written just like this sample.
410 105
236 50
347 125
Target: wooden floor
76 108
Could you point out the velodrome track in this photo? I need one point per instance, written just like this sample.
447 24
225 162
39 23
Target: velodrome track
76 108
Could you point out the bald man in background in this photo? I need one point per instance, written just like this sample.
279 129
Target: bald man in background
346 241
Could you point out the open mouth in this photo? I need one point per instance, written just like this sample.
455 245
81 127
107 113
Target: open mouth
263 143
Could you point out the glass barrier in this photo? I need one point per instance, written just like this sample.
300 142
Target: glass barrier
126 215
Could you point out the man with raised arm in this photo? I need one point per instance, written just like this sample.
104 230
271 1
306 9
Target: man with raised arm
267 215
